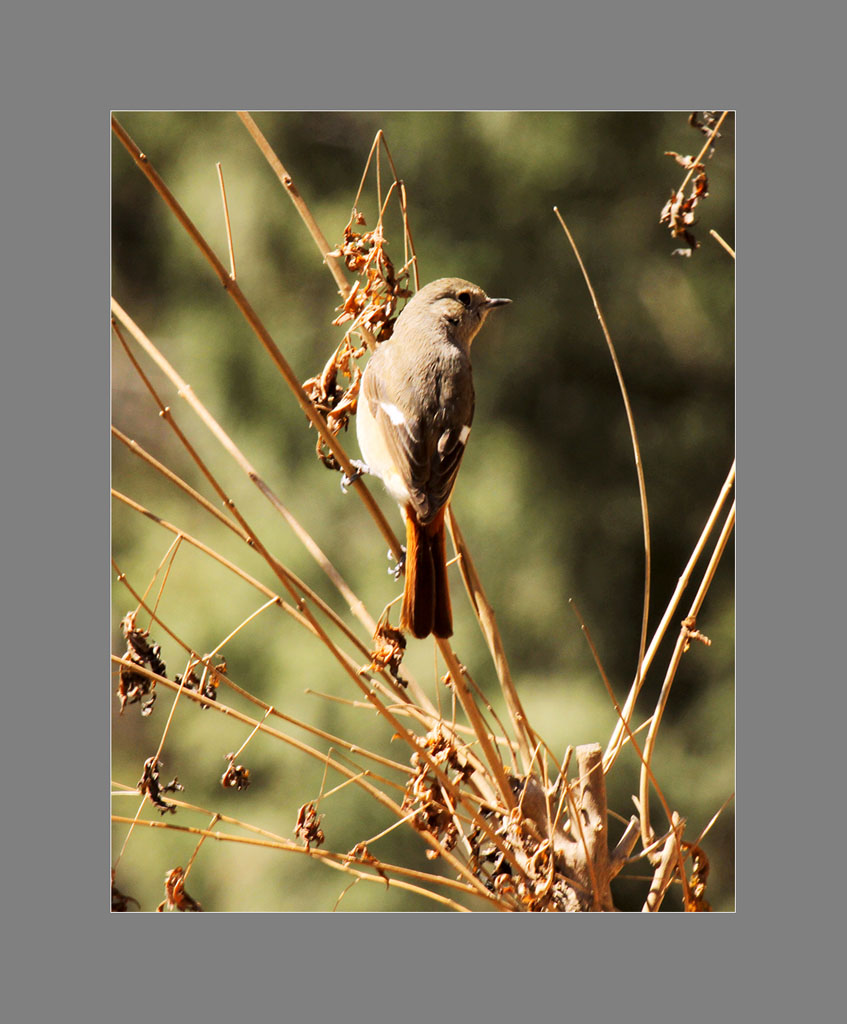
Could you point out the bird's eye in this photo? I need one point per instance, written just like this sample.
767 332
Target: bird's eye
464 298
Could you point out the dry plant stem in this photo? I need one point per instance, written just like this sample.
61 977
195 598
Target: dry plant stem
616 742
300 614
722 243
581 852
374 151
289 579
237 753
326 857
682 643
308 620
270 603
712 821
186 391
280 570
592 803
233 289
581 868
215 819
132 823
626 844
408 242
671 853
180 689
377 794
642 490
168 474
332 262
469 706
227 223
235 292
169 558
269 709
699 158
630 735
525 736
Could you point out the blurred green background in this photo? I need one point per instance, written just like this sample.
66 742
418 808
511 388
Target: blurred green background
547 497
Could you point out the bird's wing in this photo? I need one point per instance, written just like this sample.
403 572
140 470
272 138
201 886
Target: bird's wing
426 444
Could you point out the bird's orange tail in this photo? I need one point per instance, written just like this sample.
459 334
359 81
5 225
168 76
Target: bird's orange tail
426 597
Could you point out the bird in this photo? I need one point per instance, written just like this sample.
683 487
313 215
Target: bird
414 416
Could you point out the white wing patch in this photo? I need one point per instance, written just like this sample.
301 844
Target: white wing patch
393 413
464 434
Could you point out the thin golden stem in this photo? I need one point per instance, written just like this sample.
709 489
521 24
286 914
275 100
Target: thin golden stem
642 489
306 727
681 647
616 742
477 724
186 391
215 819
333 860
233 289
706 145
236 754
630 733
325 249
377 794
228 226
524 733
721 242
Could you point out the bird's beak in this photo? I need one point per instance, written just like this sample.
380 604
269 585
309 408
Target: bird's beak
491 303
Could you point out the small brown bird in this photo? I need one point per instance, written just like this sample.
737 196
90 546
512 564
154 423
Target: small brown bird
415 412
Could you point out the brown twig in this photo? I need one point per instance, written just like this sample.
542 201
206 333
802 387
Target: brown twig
187 392
372 790
663 876
642 489
524 733
233 289
682 643
228 234
616 742
722 243
332 262
333 860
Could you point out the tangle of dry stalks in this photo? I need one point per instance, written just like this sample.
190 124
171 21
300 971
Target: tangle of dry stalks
513 830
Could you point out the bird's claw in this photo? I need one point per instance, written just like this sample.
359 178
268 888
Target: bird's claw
359 470
399 567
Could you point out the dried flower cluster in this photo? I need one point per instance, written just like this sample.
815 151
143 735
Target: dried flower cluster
678 211
434 811
697 902
388 650
135 686
369 309
208 685
308 826
176 898
236 776
120 901
149 784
